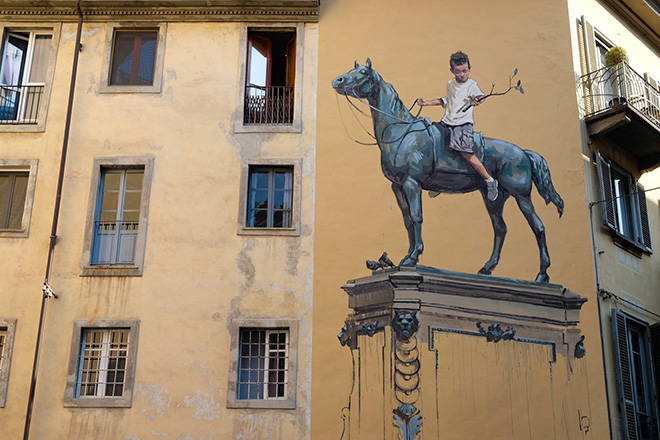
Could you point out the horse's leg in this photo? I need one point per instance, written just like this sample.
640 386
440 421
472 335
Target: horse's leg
495 209
402 200
412 194
527 208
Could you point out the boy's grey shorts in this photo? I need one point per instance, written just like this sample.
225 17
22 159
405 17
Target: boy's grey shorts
461 138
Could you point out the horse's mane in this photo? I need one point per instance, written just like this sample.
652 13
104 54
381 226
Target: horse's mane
397 108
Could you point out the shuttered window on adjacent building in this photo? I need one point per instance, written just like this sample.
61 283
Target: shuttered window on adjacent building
623 204
636 347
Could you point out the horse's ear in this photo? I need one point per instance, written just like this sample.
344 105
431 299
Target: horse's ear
356 65
368 63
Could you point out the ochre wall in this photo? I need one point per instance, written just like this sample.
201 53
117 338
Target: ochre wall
199 273
357 217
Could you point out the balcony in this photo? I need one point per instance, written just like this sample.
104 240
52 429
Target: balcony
19 105
619 104
268 105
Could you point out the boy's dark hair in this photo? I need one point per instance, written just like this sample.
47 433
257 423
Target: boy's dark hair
458 58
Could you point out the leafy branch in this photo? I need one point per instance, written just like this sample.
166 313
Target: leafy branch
492 92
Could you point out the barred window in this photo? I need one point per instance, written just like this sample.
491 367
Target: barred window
263 364
102 366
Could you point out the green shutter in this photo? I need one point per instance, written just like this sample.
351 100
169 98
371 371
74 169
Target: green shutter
624 379
645 233
606 193
654 335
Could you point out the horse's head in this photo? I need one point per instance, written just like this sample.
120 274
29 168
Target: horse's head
359 82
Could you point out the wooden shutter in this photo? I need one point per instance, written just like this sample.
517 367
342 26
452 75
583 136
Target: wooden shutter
623 377
291 62
588 60
654 332
645 232
652 93
606 192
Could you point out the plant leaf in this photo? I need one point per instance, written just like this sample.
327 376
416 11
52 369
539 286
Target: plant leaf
518 83
521 90
515 72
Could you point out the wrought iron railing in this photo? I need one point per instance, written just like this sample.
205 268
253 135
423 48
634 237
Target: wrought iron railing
608 87
114 242
268 105
20 104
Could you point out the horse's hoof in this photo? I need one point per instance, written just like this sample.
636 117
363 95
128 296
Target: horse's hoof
542 278
408 262
484 271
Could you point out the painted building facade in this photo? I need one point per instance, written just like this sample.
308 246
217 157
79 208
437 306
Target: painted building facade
179 290
484 357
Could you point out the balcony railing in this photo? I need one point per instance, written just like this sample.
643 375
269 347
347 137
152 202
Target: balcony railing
609 87
268 105
20 104
114 242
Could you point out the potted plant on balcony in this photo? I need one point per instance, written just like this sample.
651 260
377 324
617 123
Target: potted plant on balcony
616 75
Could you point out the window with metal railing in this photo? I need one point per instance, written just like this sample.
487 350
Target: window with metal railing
102 363
117 217
263 363
270 76
23 72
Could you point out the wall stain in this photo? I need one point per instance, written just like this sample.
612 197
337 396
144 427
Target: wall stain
204 404
157 398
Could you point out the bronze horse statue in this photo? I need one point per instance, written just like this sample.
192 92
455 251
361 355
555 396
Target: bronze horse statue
414 157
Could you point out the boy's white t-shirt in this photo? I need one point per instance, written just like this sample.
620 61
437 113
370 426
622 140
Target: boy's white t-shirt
458 98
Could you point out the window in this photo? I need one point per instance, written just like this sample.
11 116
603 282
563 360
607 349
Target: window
635 375
134 56
27 61
270 95
13 188
623 204
117 232
25 57
7 330
269 197
118 216
270 76
17 181
263 364
102 364
271 200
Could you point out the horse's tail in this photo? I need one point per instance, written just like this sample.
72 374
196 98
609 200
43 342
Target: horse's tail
543 182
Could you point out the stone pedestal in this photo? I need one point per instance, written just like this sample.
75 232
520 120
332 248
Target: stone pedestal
443 355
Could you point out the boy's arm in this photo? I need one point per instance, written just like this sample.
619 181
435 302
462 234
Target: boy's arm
425 102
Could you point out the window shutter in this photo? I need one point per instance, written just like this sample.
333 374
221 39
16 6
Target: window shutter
624 379
654 335
645 236
606 193
652 93
588 61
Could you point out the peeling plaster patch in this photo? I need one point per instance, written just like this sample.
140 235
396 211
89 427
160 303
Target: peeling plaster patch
131 437
292 257
217 316
244 263
204 404
160 434
222 127
171 74
156 397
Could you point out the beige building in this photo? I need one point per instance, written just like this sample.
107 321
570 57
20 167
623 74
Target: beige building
618 105
180 284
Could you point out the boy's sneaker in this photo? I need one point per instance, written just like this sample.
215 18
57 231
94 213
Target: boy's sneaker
492 190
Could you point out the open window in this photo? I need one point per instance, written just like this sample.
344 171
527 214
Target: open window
270 76
23 75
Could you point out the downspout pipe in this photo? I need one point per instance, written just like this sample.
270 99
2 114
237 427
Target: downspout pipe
47 291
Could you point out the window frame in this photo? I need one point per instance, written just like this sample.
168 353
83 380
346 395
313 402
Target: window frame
156 86
70 399
291 385
9 326
640 239
88 268
296 197
622 322
22 165
41 28
296 125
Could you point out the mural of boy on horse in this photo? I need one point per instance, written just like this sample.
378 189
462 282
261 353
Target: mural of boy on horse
463 94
